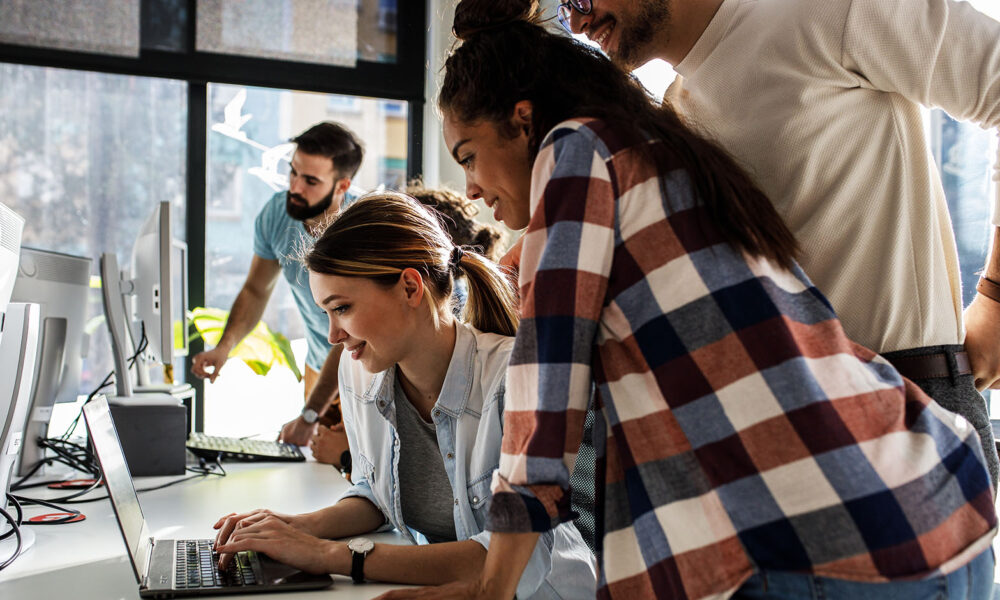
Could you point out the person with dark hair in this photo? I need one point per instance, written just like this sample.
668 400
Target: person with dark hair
822 102
459 220
326 157
746 446
423 397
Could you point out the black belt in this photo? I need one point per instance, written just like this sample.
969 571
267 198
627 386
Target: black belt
929 366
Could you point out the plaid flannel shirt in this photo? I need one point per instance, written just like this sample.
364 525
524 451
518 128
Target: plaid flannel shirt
738 428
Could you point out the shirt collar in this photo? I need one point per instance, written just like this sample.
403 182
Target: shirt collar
458 381
710 38
455 390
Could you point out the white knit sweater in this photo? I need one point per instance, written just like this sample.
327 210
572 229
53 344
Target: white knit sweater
819 99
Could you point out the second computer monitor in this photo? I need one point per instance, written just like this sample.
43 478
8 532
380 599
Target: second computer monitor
159 271
60 285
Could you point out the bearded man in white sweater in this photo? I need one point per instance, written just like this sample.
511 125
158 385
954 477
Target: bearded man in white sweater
820 101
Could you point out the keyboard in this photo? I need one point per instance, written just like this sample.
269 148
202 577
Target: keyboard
211 446
197 566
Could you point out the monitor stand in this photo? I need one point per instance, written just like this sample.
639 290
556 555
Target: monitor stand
7 546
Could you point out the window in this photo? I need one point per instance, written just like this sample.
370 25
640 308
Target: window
114 114
102 26
248 158
85 161
334 32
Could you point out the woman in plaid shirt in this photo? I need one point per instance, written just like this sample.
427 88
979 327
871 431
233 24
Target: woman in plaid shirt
750 449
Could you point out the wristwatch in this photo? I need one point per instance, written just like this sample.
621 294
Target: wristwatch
309 415
359 547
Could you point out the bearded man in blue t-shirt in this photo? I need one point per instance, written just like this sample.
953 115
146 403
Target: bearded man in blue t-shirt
326 157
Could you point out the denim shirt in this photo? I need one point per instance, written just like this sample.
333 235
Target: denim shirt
468 416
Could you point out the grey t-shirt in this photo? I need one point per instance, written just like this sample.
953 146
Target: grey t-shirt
424 489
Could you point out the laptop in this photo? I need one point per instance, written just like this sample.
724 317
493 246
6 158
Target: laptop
177 568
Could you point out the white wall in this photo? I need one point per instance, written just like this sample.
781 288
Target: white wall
439 167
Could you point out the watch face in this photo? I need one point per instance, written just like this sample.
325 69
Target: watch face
361 545
309 415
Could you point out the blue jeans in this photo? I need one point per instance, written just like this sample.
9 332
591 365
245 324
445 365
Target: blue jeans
974 581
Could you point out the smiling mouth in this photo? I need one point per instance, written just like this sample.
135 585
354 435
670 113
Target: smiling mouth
603 36
356 350
495 205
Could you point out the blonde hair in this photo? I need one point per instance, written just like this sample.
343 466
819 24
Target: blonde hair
382 234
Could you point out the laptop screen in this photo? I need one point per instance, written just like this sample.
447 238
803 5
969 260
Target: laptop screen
118 481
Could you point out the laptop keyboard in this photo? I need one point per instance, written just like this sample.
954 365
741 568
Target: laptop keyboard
197 567
211 446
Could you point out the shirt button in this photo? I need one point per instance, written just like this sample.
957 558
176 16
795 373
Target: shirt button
437 413
381 404
456 501
450 456
475 499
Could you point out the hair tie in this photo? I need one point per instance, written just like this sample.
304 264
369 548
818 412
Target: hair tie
456 258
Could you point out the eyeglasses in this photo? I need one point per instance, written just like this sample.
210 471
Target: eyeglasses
566 9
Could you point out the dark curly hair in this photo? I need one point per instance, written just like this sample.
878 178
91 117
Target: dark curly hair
506 56
458 217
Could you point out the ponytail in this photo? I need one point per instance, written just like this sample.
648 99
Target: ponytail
492 303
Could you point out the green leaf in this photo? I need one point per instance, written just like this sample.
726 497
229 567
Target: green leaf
260 350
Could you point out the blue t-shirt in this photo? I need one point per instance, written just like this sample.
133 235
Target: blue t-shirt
280 237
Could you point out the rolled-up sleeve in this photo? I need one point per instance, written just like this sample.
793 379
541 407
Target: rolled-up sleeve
565 262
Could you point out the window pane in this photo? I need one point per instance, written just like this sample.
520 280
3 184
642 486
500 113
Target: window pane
320 31
964 154
164 25
103 26
245 123
377 24
85 161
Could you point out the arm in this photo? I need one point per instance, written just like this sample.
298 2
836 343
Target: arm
297 431
349 517
563 281
938 53
565 263
243 317
982 326
497 581
303 541
427 564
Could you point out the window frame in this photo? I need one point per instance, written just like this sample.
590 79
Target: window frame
402 80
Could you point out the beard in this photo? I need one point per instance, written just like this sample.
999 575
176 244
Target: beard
651 18
304 212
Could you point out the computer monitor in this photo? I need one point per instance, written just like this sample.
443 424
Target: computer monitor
11 227
60 285
149 298
17 369
159 270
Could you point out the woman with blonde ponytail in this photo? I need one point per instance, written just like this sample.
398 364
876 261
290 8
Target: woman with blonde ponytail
422 395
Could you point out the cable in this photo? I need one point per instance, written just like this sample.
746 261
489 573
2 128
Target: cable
71 514
203 471
143 344
15 527
20 515
76 456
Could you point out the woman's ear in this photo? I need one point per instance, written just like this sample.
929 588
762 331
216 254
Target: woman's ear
521 119
413 286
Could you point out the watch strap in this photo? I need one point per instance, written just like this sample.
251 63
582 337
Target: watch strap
358 566
309 415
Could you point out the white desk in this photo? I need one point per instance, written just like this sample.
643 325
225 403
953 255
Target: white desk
87 559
